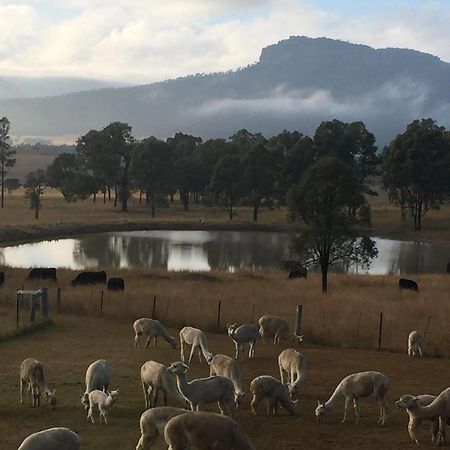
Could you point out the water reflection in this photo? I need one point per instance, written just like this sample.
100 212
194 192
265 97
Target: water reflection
203 251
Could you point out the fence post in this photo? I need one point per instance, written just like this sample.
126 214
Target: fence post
32 308
298 319
380 331
154 307
17 309
218 315
101 301
44 302
58 300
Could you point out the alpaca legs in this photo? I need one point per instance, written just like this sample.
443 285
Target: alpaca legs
348 402
254 404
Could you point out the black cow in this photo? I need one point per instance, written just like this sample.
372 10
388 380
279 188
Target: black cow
42 273
448 267
404 283
299 273
2 278
90 278
116 284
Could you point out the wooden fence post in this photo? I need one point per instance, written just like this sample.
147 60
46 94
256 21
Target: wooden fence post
101 301
380 331
44 302
17 309
298 319
154 307
32 308
58 300
218 315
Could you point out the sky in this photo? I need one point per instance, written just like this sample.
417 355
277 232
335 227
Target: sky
142 41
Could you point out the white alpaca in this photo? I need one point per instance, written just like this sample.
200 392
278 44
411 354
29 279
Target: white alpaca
104 401
415 341
277 328
225 366
409 403
156 377
204 431
98 376
204 390
293 367
353 388
269 388
245 334
151 329
152 424
34 378
52 439
196 338
439 407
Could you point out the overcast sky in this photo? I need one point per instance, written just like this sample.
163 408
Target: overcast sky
139 41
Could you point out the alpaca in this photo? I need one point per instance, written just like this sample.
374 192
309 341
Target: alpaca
33 376
439 407
270 388
98 376
205 431
151 329
415 341
104 401
152 424
196 338
51 439
293 367
277 328
242 335
353 388
409 402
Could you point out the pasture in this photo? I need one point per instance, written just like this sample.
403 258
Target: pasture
83 333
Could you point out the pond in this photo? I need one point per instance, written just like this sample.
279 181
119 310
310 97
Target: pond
204 251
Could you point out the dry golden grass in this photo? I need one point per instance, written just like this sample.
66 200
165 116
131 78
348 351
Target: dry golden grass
348 316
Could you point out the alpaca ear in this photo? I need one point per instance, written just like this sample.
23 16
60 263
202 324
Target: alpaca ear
318 403
54 390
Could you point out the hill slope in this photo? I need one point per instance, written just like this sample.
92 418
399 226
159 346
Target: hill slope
296 84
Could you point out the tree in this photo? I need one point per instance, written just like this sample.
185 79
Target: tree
226 181
67 174
416 169
151 168
331 235
6 154
35 184
12 184
258 177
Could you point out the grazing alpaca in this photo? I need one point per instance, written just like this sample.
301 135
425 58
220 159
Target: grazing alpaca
415 341
353 388
439 407
410 402
204 390
277 328
271 389
51 439
242 335
98 376
153 422
293 367
156 377
104 401
33 377
151 329
196 338
205 431
225 366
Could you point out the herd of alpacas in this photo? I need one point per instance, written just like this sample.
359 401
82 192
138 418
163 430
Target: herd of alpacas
185 427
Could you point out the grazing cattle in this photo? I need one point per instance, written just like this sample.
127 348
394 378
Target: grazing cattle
41 273
403 283
90 278
303 273
296 269
2 278
116 284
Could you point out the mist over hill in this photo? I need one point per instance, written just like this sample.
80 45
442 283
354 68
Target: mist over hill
296 84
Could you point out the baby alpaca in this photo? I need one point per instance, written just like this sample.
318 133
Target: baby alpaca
293 367
104 400
354 387
271 389
205 431
415 341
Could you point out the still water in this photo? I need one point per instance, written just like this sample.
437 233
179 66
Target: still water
204 251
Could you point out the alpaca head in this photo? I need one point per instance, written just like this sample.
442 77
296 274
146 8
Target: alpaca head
114 395
51 399
85 400
231 328
172 342
238 398
298 339
209 356
178 368
293 389
406 401
321 410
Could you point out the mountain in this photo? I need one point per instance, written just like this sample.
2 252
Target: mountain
22 87
296 84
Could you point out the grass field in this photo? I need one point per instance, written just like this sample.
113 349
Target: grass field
74 342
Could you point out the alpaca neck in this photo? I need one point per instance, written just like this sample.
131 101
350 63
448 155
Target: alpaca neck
329 404
182 383
434 409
